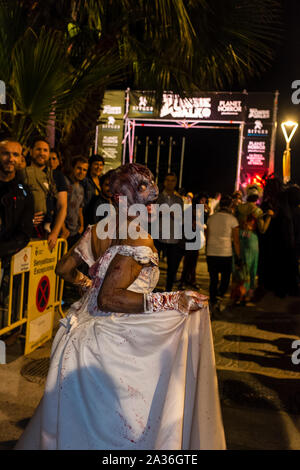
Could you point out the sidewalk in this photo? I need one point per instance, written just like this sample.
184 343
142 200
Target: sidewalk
259 385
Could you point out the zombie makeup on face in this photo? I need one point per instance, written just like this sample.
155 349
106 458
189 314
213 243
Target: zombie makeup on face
136 182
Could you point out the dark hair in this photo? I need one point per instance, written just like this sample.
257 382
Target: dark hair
92 159
105 177
272 192
293 193
237 194
39 139
96 158
226 201
181 192
55 150
171 174
252 197
77 160
200 196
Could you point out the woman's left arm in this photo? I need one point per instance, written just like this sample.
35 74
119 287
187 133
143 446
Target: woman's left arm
113 295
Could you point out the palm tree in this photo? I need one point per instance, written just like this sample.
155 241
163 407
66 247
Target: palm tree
96 29
178 45
40 77
183 44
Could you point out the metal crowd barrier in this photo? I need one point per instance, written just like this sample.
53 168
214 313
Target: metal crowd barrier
30 292
59 284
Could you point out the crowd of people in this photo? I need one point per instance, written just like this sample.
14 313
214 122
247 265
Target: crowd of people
41 199
100 352
247 235
252 239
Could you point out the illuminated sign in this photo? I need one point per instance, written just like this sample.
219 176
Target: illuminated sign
108 109
231 108
192 108
143 106
204 106
258 129
110 129
255 113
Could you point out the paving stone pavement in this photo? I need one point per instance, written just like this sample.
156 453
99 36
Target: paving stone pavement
258 383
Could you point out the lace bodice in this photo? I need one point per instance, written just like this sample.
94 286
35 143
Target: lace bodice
144 283
148 277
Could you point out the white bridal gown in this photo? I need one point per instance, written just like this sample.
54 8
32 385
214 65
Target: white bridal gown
128 381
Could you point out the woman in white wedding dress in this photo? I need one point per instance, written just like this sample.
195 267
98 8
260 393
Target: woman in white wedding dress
129 369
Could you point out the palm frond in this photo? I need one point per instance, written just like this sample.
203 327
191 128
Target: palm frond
38 64
13 24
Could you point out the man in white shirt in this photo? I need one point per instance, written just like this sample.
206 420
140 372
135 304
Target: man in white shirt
222 230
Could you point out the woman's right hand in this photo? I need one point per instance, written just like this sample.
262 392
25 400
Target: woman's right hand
190 301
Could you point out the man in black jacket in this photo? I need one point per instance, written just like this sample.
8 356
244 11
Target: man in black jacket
16 202
16 218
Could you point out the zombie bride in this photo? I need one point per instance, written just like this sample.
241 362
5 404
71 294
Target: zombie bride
130 369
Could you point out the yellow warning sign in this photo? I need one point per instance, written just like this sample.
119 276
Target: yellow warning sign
41 295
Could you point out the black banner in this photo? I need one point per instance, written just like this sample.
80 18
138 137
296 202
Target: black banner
216 107
255 154
256 146
110 130
257 135
254 110
259 106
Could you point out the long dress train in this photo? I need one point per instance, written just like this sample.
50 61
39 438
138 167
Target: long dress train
128 381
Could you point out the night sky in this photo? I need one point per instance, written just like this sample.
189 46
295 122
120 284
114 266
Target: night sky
211 155
285 70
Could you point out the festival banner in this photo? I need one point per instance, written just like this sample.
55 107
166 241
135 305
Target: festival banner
256 154
228 107
141 105
206 106
110 130
255 110
257 135
260 107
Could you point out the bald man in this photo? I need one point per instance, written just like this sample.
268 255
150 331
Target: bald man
16 202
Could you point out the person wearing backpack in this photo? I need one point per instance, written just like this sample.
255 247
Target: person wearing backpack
16 202
16 214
